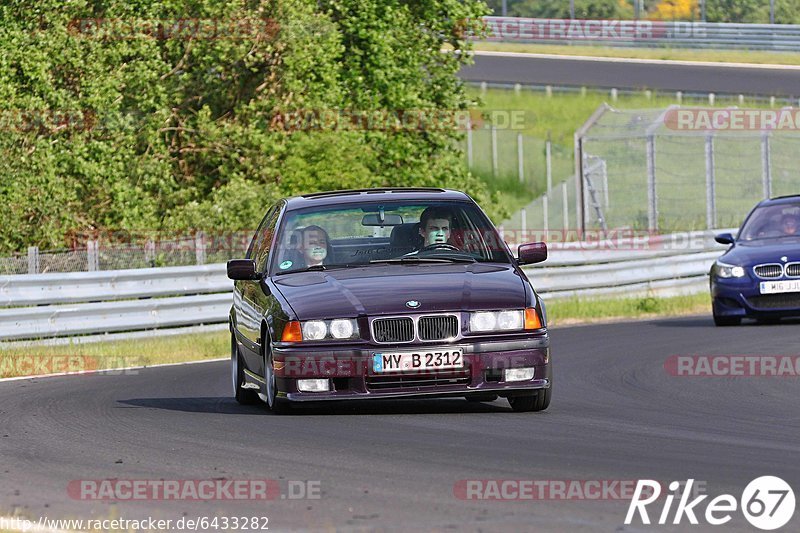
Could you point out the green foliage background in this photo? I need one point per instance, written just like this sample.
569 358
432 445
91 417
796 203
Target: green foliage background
175 132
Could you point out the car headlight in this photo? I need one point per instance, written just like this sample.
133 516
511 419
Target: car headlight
317 330
342 329
723 270
482 321
314 330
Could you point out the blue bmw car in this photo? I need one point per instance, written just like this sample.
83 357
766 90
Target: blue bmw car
759 276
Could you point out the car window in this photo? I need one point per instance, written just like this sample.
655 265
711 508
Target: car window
358 234
772 221
259 248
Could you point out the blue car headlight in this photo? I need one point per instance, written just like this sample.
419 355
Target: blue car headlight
725 271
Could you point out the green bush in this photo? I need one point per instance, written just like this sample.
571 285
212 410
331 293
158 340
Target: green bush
175 133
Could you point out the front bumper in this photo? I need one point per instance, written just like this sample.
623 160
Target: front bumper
352 376
741 297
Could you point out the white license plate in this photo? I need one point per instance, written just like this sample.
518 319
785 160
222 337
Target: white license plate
415 361
777 287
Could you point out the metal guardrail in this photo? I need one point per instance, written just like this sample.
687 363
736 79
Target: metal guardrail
661 276
59 305
645 33
71 287
106 317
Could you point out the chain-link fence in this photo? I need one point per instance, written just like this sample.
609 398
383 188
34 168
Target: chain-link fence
99 254
506 153
675 169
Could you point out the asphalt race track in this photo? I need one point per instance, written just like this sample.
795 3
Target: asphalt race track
616 415
631 74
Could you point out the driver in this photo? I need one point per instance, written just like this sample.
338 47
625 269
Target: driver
789 224
435 224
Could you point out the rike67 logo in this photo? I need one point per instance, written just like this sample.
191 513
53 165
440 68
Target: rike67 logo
767 502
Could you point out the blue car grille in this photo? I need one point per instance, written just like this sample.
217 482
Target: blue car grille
793 270
769 271
776 301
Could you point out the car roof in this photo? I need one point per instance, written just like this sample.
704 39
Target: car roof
350 196
788 199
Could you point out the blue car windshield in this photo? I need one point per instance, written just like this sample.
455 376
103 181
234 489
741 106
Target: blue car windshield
772 222
368 233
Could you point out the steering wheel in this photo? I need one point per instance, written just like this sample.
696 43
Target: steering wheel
440 246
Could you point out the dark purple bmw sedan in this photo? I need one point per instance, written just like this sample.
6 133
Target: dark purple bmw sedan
386 293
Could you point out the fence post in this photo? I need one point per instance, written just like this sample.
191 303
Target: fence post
494 150
33 259
92 261
199 248
711 207
150 252
652 198
523 225
766 164
545 215
520 159
548 162
469 142
564 205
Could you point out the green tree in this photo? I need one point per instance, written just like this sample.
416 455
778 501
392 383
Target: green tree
174 131
753 11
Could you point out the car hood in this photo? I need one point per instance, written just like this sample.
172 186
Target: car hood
385 289
763 251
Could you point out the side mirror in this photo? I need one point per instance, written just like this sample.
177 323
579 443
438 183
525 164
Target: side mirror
724 238
532 252
242 270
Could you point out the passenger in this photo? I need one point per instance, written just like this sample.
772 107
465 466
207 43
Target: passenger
315 246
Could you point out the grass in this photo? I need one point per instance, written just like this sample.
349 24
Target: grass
37 359
582 311
679 54
41 359
680 160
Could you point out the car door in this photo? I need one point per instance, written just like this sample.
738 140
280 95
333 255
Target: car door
249 296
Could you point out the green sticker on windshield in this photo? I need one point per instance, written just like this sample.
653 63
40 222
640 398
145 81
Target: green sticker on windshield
285 265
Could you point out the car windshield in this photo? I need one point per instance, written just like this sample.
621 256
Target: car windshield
772 222
372 233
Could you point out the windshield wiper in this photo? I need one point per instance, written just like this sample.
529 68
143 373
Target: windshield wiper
316 268
416 260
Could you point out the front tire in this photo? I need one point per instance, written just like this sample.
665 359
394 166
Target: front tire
533 401
243 396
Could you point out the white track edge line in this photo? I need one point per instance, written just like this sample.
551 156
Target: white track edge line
81 372
599 59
